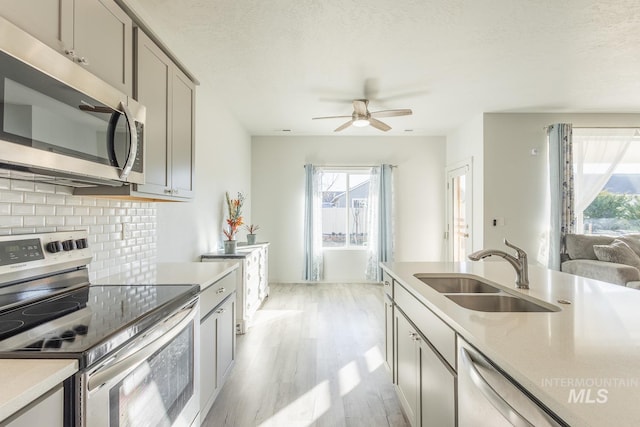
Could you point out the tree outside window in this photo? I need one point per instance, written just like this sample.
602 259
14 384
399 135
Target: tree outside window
344 208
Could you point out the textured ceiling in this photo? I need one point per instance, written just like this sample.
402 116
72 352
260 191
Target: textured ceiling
278 63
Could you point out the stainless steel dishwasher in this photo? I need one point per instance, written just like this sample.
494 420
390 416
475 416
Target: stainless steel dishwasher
488 398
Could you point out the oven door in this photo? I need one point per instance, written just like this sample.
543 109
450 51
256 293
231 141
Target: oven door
153 381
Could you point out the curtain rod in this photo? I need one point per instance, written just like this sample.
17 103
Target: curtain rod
605 127
348 166
598 127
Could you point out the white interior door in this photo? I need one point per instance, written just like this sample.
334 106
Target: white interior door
459 234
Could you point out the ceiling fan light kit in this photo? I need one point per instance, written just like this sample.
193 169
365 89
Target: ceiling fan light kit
362 117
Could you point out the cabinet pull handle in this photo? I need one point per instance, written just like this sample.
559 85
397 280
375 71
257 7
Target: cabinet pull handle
82 61
386 283
70 53
220 291
220 311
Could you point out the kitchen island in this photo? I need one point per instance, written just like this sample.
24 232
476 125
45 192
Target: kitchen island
565 358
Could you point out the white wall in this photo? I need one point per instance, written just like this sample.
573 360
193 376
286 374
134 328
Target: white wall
465 143
223 163
278 196
515 181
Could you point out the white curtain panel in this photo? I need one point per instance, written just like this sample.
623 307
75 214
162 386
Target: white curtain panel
313 260
561 191
596 154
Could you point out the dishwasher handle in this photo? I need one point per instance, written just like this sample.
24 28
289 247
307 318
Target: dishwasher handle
507 411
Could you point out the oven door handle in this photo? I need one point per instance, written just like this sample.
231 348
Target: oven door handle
140 350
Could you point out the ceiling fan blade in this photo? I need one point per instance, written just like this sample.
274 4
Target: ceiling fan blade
330 117
392 113
360 106
344 126
379 125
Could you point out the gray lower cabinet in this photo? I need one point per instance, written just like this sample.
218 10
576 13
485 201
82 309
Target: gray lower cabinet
420 351
217 352
48 410
388 330
96 34
407 367
437 389
169 96
425 383
217 338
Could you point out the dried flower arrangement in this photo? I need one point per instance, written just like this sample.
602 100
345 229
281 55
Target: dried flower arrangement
234 219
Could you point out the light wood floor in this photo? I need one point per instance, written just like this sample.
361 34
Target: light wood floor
313 357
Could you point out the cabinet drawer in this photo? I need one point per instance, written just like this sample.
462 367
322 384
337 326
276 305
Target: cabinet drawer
441 336
387 281
216 293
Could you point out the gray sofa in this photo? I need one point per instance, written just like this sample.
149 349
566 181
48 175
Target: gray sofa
580 258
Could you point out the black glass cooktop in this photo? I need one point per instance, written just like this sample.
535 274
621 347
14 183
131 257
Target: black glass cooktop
89 322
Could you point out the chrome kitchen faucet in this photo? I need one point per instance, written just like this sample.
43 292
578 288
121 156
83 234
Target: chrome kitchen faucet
519 262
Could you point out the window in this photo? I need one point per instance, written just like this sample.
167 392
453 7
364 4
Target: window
607 182
345 195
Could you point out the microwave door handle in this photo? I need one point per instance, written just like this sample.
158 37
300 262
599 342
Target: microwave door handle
505 409
133 147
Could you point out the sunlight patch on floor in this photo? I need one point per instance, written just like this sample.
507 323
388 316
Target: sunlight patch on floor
309 407
348 377
301 412
374 358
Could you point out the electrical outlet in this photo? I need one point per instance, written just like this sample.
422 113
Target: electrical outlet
126 231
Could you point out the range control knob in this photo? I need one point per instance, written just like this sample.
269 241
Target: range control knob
82 243
54 247
68 245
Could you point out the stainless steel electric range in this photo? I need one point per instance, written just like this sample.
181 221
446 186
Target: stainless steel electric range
136 345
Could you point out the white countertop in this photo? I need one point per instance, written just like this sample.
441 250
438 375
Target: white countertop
173 273
592 343
24 380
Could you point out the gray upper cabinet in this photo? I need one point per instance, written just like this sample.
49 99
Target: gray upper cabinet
48 21
102 41
168 95
96 34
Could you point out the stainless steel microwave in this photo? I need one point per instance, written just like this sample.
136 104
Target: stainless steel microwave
60 122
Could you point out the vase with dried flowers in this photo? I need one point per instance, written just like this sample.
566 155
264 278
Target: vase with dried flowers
251 233
234 220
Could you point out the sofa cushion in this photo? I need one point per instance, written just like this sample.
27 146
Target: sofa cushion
580 246
620 274
618 252
633 240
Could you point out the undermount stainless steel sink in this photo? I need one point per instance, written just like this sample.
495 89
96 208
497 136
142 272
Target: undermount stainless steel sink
458 285
498 303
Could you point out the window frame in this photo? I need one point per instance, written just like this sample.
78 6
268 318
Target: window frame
359 170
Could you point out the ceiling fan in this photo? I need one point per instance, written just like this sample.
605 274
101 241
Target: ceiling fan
362 117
